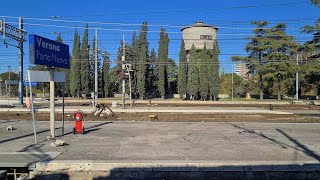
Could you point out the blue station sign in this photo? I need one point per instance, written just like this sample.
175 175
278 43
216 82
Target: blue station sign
26 83
47 52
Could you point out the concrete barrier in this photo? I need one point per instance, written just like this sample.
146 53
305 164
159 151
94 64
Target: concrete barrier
171 170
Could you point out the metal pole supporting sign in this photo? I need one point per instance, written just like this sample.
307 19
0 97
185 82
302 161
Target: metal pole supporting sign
32 109
63 89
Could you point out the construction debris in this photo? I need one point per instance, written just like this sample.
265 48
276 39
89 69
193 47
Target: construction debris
58 143
103 107
153 117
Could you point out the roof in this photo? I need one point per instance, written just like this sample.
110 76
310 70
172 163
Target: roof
199 24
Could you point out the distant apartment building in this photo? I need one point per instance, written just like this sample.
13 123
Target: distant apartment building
242 70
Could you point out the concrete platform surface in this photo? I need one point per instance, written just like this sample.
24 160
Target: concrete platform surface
21 159
161 141
160 150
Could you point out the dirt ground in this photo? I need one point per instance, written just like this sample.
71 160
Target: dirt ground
172 117
181 104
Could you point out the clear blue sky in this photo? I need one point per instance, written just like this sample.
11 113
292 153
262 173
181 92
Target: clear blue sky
230 17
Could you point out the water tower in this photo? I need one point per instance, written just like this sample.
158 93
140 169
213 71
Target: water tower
198 34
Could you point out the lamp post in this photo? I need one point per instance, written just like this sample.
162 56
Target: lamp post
9 69
1 87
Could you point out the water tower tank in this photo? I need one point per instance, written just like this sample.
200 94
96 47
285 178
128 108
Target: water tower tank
198 34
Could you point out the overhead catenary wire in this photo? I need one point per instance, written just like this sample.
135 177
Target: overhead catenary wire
134 24
189 10
130 30
128 24
151 25
198 63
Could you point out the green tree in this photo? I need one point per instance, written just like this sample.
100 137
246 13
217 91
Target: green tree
75 81
9 76
153 72
59 86
166 69
91 65
280 48
118 66
247 87
226 83
132 55
316 3
172 76
182 76
311 75
203 73
92 59
84 64
143 59
59 38
114 80
256 49
312 46
163 59
193 74
213 69
105 75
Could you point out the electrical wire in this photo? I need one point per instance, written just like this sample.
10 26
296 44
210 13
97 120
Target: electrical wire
186 11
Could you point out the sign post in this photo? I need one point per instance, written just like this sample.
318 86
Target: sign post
32 110
52 105
52 54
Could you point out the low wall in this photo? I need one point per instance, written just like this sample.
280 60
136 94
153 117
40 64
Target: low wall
270 170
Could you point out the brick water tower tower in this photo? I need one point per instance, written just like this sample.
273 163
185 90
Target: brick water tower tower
198 34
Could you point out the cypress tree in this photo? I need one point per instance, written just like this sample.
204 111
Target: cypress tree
203 74
92 59
85 65
166 68
105 77
213 70
75 81
163 59
182 76
153 74
118 67
193 73
59 86
59 38
143 57
134 61
91 65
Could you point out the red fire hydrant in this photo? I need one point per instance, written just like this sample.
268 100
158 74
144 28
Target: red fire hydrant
78 117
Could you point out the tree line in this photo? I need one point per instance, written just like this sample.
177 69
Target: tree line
152 75
272 60
198 77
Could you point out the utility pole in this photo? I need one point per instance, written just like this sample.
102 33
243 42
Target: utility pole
9 69
19 36
1 88
123 73
297 79
20 92
130 90
96 71
232 81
